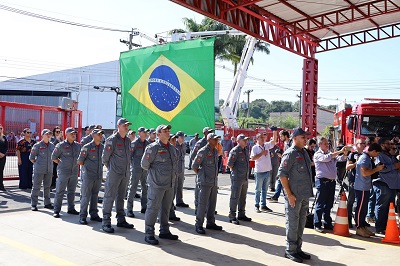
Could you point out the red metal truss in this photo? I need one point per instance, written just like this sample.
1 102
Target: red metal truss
254 21
309 96
361 37
354 12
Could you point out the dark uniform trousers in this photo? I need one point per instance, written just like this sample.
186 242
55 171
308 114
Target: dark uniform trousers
172 209
159 201
115 188
238 197
69 182
136 175
180 178
295 223
37 184
89 193
207 202
199 144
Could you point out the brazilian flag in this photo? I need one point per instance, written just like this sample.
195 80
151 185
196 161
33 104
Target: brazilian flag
169 84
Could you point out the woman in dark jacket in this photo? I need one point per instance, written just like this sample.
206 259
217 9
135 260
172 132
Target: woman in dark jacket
3 152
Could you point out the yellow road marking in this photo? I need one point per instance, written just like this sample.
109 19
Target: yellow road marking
35 252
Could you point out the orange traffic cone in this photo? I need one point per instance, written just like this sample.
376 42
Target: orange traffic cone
392 232
341 227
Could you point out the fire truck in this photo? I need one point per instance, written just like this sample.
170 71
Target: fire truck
366 119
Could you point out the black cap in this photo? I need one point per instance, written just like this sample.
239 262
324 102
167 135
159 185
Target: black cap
70 130
97 131
180 134
123 121
161 127
299 131
241 136
142 129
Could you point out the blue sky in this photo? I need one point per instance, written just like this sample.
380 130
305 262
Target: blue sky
31 46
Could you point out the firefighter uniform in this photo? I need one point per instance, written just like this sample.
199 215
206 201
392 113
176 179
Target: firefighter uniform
92 175
207 163
160 161
180 170
138 173
42 171
116 157
239 159
296 167
200 144
85 140
67 170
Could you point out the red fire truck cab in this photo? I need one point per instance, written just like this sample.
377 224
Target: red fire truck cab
365 119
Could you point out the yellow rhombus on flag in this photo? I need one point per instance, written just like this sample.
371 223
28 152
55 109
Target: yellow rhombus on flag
189 89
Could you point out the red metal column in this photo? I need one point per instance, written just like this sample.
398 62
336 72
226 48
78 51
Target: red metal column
309 96
41 123
3 115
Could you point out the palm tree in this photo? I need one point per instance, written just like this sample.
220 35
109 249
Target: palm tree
226 47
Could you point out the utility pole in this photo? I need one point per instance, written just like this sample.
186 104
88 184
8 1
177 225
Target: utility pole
248 101
130 40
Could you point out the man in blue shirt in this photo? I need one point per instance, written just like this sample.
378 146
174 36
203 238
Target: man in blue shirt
351 168
325 181
385 185
362 186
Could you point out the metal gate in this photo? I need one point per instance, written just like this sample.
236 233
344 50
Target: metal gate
16 116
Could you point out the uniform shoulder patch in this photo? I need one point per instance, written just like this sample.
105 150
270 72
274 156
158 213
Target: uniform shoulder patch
109 142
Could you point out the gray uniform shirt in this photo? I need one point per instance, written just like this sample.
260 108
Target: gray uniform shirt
160 161
41 153
200 144
67 154
137 148
85 140
117 154
90 156
296 166
192 143
180 152
207 162
239 159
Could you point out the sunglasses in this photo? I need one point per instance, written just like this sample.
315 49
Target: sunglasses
57 131
28 132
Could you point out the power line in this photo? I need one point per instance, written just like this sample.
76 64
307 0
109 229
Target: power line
31 14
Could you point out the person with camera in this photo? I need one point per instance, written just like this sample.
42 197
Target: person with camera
362 186
385 185
325 182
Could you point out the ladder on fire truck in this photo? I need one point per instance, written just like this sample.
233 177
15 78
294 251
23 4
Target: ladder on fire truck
230 108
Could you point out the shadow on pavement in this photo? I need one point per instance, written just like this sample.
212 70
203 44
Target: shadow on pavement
196 253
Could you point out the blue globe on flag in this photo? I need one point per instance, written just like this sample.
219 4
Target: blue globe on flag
164 88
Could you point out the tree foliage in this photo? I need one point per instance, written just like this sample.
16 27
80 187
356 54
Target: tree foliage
226 47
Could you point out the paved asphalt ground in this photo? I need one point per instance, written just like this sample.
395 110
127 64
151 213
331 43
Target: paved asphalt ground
36 238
